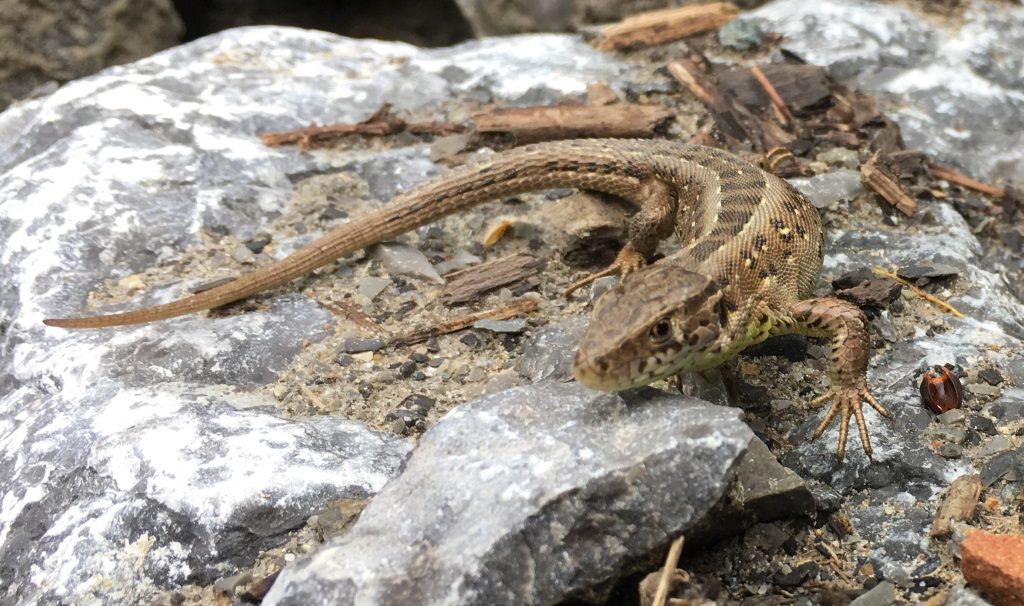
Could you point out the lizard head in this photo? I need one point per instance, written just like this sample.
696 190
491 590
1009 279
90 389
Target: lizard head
658 321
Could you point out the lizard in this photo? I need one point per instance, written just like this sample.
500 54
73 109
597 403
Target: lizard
751 250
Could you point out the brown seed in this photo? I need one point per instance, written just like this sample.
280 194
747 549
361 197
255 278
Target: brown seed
941 389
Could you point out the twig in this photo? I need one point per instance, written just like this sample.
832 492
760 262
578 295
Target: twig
887 187
666 25
671 562
948 174
780 106
918 291
380 123
517 307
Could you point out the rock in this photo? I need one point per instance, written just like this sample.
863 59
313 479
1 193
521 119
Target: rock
371 286
928 271
741 34
554 495
549 353
460 260
501 326
872 295
994 565
354 345
844 158
57 42
964 596
595 226
882 594
109 428
827 189
404 260
1005 464
1009 407
994 445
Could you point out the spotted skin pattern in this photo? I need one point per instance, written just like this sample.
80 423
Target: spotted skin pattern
751 253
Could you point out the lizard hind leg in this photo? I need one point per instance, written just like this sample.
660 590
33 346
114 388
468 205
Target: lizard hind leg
844 323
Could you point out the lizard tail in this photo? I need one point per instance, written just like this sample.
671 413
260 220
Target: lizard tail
593 164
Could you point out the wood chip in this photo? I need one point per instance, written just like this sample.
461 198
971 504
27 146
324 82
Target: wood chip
958 505
469 284
801 86
666 25
351 315
515 308
527 124
381 122
887 187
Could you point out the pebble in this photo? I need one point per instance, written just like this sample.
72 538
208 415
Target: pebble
366 356
741 34
928 270
344 359
984 389
279 391
982 424
824 190
131 283
405 260
476 374
355 345
470 340
242 254
501 326
994 446
258 242
841 157
370 286
990 376
951 417
950 451
882 594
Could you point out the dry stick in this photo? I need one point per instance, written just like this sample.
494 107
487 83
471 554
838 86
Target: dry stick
661 595
498 313
887 187
784 114
380 123
666 25
941 172
919 292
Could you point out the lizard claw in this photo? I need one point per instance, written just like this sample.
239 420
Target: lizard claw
848 402
626 262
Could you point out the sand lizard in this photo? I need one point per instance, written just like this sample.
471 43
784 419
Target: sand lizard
751 253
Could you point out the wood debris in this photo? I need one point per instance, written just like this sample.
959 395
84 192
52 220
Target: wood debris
802 87
528 124
784 115
919 292
958 505
886 186
666 25
350 314
733 119
469 284
519 306
382 122
948 174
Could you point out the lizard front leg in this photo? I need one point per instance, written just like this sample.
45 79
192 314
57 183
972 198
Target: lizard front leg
654 222
845 324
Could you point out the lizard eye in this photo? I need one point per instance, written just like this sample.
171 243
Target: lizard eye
662 330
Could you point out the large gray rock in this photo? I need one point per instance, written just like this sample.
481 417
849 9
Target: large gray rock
152 456
526 497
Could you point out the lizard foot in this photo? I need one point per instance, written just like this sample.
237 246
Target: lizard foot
848 402
626 262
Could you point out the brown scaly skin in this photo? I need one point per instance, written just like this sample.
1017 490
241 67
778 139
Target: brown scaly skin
752 249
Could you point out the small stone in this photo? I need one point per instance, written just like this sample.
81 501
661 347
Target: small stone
279 391
984 389
365 389
982 424
460 260
435 362
853 278
371 286
476 374
1004 464
798 575
994 565
419 358
930 271
344 359
242 254
994 446
601 286
365 356
470 340
258 242
841 157
990 376
501 326
418 402
827 189
407 369
404 260
741 34
131 283
354 345
950 451
951 417
882 594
